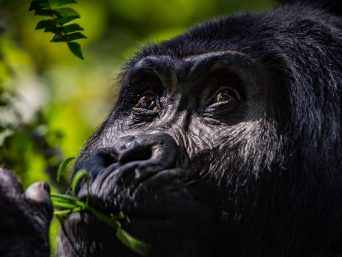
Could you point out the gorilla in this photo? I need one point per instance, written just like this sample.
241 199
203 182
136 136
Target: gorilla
24 218
225 141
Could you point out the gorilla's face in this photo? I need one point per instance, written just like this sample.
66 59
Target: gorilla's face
209 148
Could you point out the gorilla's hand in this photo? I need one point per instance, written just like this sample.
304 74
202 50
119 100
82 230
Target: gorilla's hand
24 218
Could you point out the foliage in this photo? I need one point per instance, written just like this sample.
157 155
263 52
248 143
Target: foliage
58 24
18 137
65 204
61 174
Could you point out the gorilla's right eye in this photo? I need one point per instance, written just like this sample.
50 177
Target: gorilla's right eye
226 94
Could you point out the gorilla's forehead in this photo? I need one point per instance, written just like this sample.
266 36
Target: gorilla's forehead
191 67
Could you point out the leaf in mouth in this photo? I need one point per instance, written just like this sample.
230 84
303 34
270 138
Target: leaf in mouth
65 205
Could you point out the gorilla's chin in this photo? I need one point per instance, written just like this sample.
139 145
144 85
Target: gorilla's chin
168 238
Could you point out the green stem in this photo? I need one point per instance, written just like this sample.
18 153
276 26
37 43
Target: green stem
70 204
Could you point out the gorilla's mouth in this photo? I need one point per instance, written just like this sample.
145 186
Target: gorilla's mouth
160 208
150 197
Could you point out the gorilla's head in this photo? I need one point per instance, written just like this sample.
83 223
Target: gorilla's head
225 141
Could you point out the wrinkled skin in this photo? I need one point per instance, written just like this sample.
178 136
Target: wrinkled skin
225 141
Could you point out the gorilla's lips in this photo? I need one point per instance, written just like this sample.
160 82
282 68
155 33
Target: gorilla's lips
150 196
155 203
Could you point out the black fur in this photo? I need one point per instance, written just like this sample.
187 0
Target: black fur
263 179
333 6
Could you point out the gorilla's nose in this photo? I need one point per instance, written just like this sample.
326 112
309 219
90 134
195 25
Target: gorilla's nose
155 148
140 154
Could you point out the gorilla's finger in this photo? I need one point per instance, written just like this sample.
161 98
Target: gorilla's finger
39 192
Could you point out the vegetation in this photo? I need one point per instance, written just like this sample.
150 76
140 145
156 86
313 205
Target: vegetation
58 22
65 204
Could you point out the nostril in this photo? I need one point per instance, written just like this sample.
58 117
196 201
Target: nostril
105 158
109 159
139 153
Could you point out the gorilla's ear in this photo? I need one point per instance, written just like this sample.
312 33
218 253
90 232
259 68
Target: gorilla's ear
332 6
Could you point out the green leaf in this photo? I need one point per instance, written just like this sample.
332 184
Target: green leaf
62 214
55 30
62 168
45 12
66 12
50 26
75 48
135 245
77 178
75 36
68 37
38 5
64 205
118 216
63 2
104 218
62 21
67 204
71 28
58 37
63 197
46 24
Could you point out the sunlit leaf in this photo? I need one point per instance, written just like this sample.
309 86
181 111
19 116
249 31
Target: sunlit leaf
132 243
44 24
60 16
67 198
77 178
75 36
63 2
68 37
62 168
59 38
71 28
75 48
53 29
64 20
66 12
66 204
38 5
45 12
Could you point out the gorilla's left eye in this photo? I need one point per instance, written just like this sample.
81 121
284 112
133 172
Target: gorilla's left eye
222 102
226 94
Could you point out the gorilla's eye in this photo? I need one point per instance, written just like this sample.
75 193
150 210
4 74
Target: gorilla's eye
147 101
226 94
223 102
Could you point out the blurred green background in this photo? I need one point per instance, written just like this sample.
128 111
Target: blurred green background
51 101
